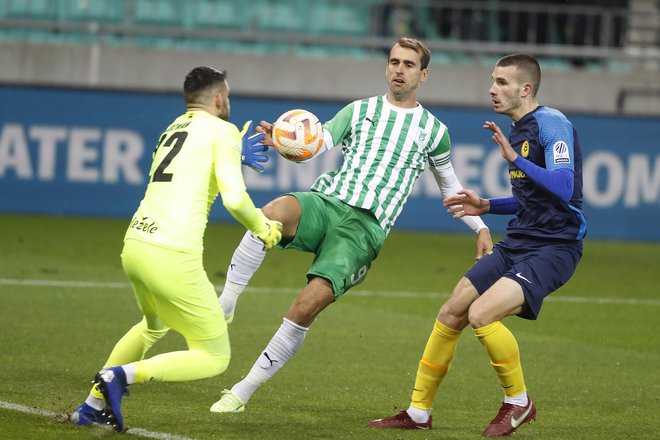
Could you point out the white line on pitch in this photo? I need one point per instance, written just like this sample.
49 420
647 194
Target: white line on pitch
357 292
52 414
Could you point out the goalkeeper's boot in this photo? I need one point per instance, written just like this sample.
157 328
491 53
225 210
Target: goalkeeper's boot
509 418
112 383
85 415
229 403
400 421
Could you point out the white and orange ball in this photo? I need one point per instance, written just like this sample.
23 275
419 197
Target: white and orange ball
298 135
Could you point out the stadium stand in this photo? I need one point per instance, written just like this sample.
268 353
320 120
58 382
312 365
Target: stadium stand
604 36
578 34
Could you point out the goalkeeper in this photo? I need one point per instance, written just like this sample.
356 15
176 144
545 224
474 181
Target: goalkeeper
197 156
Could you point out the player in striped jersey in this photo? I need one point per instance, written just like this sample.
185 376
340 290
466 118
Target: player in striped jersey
197 156
387 141
539 253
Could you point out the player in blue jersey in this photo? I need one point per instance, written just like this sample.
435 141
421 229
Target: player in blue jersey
539 253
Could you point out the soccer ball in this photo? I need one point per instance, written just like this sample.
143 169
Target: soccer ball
298 135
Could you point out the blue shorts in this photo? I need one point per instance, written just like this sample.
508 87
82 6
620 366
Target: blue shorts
539 265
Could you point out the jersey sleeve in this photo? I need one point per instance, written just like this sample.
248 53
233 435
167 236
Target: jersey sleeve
227 159
229 177
446 178
339 127
556 137
440 154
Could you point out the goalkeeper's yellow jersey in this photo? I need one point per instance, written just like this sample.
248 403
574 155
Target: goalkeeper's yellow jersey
197 156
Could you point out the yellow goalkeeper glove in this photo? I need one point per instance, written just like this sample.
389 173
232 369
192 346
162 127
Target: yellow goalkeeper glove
269 231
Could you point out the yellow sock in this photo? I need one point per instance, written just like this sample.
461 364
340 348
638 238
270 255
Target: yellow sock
140 373
504 356
433 367
95 392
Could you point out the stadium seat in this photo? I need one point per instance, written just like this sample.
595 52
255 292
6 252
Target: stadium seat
619 67
279 16
103 11
227 14
558 64
331 17
32 9
332 51
158 12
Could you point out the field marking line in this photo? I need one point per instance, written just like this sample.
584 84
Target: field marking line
56 415
365 293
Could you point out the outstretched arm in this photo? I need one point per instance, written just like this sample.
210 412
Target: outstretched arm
466 202
450 186
265 129
235 198
253 150
559 182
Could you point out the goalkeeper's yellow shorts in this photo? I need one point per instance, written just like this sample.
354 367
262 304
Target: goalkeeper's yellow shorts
173 291
345 239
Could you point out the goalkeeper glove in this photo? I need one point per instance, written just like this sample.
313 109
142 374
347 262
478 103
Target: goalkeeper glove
253 150
270 231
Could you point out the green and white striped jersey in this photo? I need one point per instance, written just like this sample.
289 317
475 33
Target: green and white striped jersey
386 149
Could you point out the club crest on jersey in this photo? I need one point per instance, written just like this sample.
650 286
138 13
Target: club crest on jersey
524 150
423 137
560 152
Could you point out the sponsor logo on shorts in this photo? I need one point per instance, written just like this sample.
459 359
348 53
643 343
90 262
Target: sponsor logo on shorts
522 277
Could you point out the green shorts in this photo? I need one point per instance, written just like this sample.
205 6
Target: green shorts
345 239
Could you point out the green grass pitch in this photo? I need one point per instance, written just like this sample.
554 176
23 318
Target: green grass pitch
591 361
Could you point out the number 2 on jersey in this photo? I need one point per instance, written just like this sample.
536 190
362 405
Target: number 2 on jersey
176 142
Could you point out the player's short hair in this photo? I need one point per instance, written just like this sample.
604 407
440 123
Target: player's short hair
417 46
528 68
200 80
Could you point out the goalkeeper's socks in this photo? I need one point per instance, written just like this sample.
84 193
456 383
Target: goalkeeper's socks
95 392
280 349
95 402
129 371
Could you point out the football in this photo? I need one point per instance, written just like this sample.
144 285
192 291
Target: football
298 135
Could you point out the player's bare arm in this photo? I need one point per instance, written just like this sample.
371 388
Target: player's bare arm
466 202
484 243
501 140
267 129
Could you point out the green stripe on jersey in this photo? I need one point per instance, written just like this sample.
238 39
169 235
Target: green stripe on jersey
386 148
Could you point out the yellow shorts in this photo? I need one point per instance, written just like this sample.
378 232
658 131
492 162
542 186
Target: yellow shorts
173 291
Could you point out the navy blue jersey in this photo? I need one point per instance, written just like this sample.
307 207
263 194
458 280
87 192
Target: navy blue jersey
547 139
